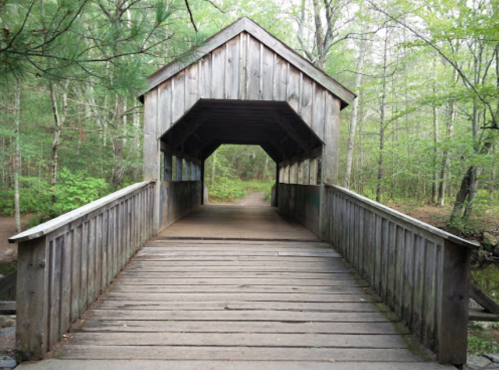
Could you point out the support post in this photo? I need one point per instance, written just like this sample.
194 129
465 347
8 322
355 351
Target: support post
180 169
187 165
32 302
301 171
292 173
152 151
329 160
452 314
168 159
203 200
277 178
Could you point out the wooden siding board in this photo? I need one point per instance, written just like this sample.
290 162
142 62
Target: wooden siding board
307 99
55 262
205 77
232 77
164 107
76 308
419 261
391 264
430 301
399 283
178 96
267 72
191 86
293 88
66 263
218 73
253 81
280 78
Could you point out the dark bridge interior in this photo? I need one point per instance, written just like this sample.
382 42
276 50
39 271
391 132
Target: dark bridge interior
273 125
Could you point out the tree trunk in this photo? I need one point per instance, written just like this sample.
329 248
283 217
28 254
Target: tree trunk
382 127
434 188
467 183
118 165
446 155
353 120
213 168
17 162
58 124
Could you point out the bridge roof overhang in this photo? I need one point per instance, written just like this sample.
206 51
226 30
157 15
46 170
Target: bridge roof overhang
273 125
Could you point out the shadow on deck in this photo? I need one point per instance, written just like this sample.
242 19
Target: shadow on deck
237 222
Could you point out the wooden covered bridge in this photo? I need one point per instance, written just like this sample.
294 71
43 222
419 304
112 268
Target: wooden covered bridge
220 283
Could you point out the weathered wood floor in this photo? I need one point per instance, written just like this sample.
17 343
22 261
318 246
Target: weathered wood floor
236 300
217 221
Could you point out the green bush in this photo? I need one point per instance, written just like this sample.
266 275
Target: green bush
226 190
75 190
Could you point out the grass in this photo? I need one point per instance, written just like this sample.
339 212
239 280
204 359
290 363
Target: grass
483 338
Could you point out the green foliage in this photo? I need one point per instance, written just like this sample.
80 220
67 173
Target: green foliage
75 190
488 280
482 340
226 190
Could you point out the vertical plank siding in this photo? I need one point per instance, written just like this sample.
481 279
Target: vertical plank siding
243 69
417 271
64 271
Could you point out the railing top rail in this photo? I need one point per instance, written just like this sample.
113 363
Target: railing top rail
49 226
417 223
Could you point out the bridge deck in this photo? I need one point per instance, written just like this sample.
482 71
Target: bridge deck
240 300
244 222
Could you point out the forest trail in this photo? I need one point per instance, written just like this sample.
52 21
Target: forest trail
253 200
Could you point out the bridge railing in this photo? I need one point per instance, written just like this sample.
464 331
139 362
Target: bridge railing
66 263
419 271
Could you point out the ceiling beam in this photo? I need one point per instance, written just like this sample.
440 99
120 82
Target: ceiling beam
288 127
187 130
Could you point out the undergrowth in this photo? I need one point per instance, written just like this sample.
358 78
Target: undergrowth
231 190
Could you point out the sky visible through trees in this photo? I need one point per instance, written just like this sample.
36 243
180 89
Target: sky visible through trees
424 127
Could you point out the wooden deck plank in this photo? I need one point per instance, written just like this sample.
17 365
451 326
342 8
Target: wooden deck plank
236 280
196 297
371 328
242 274
237 340
237 353
262 315
239 306
123 288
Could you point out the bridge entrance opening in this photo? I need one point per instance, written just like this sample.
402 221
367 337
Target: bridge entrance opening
241 175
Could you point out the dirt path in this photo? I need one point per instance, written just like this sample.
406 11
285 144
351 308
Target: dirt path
253 200
8 229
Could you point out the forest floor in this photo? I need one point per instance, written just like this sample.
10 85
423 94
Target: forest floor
439 216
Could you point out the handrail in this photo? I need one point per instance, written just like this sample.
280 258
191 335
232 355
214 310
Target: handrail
401 216
66 263
49 226
419 271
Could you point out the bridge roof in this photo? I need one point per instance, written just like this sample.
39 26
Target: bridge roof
249 26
